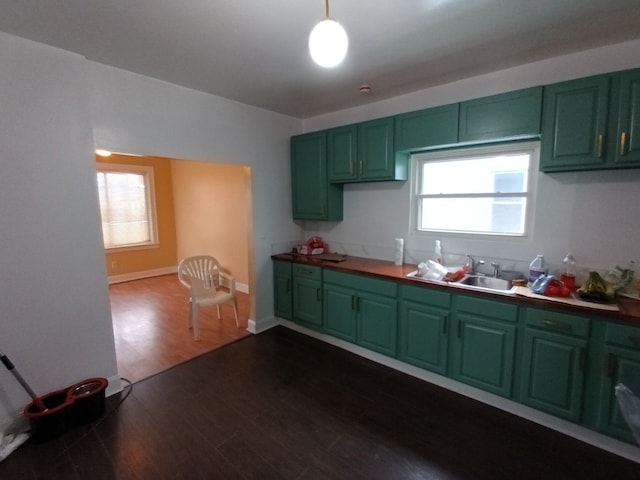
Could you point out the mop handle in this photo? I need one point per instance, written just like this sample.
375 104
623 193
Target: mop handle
7 363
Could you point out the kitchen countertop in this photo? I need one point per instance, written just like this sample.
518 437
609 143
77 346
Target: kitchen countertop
628 308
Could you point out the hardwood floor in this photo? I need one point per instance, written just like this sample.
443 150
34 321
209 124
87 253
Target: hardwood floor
150 325
281 405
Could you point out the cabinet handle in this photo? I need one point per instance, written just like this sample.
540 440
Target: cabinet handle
623 143
353 302
318 295
357 303
600 146
360 167
557 325
351 167
459 329
611 365
582 359
445 320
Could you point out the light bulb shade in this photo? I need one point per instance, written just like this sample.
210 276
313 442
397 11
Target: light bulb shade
328 43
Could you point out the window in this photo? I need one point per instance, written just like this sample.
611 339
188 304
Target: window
485 191
126 205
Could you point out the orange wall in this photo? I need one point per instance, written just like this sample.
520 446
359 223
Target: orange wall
213 213
165 255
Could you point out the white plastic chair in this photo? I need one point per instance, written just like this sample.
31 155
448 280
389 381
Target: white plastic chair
203 276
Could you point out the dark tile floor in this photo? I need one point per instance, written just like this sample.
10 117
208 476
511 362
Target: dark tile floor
281 405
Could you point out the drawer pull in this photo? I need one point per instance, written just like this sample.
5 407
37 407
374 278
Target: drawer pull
357 303
445 320
623 143
318 296
634 340
353 302
459 329
557 325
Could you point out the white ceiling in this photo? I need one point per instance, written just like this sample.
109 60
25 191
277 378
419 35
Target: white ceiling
255 51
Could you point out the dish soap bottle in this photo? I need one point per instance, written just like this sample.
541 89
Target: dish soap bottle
537 268
568 277
437 253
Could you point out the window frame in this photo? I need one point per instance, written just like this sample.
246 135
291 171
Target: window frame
419 158
148 173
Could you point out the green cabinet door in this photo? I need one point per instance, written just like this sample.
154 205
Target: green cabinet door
574 125
483 346
307 295
428 128
626 138
620 364
340 312
423 328
509 115
553 373
341 153
282 290
313 197
376 159
378 323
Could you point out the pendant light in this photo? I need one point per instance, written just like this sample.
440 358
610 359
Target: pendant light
328 41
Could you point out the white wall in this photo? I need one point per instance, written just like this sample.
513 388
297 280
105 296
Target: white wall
589 213
55 319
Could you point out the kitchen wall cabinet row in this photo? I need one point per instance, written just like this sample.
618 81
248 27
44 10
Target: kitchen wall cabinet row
562 363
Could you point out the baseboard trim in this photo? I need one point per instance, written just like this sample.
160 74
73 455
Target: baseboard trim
259 326
157 272
596 439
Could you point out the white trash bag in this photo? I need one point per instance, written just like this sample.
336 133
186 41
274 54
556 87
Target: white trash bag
630 408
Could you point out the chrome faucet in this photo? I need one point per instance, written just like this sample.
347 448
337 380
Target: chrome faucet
496 269
474 264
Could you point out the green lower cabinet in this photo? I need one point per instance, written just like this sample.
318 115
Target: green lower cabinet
483 344
282 290
621 364
554 361
307 295
424 328
361 309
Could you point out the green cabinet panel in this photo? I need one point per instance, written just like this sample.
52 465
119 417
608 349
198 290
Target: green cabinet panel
361 309
282 290
553 373
574 124
428 128
626 140
339 312
621 364
313 197
307 295
592 123
499 117
364 152
483 347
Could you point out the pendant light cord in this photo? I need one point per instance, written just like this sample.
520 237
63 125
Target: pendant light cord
326 8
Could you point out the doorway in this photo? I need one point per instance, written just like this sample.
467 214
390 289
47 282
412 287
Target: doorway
201 208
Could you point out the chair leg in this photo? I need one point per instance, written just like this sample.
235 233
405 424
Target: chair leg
195 322
218 307
190 315
235 311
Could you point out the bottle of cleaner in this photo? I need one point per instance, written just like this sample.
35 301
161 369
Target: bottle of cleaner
437 253
537 268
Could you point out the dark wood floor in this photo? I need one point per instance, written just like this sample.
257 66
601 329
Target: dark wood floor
151 327
281 405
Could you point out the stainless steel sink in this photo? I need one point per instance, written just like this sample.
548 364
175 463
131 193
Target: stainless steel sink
487 283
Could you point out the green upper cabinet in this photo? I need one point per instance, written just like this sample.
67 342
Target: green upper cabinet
510 115
282 289
428 128
620 364
483 344
574 124
364 153
313 197
592 123
554 361
626 141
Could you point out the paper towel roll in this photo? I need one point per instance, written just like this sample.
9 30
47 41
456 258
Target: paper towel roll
398 250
